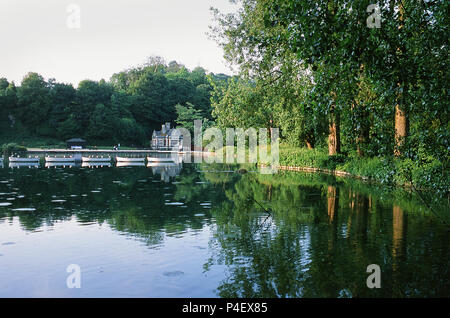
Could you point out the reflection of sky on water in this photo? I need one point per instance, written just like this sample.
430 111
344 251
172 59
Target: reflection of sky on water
168 230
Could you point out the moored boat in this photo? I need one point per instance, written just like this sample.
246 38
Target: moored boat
162 164
126 159
23 160
59 159
24 164
95 164
156 159
96 159
130 164
60 164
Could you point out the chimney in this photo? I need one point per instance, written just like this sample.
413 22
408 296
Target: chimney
168 126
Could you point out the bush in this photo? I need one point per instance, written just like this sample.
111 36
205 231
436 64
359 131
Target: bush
427 173
13 149
302 157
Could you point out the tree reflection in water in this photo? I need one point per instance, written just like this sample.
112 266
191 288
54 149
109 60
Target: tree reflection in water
286 235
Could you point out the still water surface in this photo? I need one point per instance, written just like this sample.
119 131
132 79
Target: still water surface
207 231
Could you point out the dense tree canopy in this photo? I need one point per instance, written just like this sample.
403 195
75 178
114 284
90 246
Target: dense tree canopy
356 77
124 110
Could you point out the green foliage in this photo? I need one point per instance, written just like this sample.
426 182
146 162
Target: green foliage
13 149
305 64
186 116
124 110
427 175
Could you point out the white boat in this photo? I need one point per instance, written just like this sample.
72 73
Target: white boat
130 164
162 164
23 160
60 164
59 159
96 159
95 164
126 159
156 159
24 164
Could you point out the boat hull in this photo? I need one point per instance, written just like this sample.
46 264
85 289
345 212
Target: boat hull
130 164
24 164
54 159
161 160
59 164
162 164
88 159
23 160
95 164
130 160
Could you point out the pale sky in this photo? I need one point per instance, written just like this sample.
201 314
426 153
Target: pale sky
113 35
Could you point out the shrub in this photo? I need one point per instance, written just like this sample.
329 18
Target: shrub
13 149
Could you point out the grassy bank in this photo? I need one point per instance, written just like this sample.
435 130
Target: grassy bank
50 143
33 142
428 174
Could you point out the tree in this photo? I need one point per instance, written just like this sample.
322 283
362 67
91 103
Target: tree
101 124
61 98
186 116
33 101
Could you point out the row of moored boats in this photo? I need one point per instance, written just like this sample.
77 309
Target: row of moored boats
93 159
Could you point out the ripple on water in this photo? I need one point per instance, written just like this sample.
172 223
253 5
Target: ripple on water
174 203
24 210
173 273
5 204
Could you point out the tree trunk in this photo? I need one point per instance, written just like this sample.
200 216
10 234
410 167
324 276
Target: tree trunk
310 141
334 140
401 114
401 129
362 139
333 202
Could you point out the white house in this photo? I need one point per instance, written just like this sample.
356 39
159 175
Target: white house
167 138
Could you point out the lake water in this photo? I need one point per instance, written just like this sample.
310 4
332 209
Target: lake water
203 230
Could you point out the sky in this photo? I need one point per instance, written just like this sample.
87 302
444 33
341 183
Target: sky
93 39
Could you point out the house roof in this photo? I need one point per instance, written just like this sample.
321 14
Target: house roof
170 132
76 140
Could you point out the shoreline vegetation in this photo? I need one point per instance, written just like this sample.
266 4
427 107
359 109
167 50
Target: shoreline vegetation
389 171
345 96
348 98
384 170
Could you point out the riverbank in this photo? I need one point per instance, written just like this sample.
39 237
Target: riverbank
428 174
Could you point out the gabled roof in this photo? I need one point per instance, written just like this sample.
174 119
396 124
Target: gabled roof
172 131
76 140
